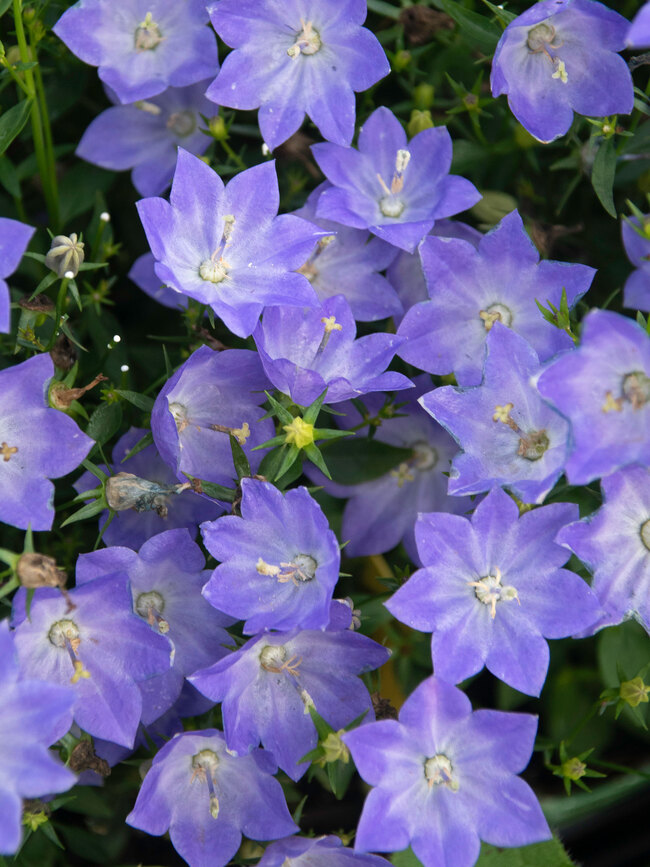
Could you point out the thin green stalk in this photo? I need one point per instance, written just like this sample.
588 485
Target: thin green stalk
233 156
47 130
37 128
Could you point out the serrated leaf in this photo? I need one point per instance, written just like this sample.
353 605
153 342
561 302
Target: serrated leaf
474 27
141 401
12 121
104 422
603 173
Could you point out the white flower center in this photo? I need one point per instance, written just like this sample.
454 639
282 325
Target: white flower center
489 591
150 607
182 123
438 771
147 35
213 272
496 313
307 41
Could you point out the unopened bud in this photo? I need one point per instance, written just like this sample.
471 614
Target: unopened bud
634 692
334 748
39 570
218 129
65 256
420 120
127 491
493 207
401 60
423 96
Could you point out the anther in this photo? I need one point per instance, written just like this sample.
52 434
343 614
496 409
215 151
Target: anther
7 451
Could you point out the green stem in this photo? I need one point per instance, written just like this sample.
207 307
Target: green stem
233 156
47 130
37 128
583 722
612 766
8 587
60 304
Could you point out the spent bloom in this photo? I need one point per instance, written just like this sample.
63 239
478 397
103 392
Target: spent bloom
444 779
393 187
207 798
226 246
212 395
603 388
492 590
98 645
267 687
508 434
166 577
614 542
141 48
146 135
37 443
560 56
14 238
33 715
470 289
279 561
296 58
131 528
305 350
636 240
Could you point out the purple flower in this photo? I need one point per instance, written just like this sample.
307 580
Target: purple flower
99 645
347 262
382 512
603 388
208 798
636 293
33 715
614 542
509 436
638 36
143 274
560 57
132 529
37 443
405 273
393 187
14 238
212 395
470 289
492 591
444 779
267 687
318 852
225 245
279 562
145 136
294 58
304 351
166 578
141 48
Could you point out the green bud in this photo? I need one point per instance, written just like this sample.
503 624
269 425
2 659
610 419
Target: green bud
423 96
334 748
634 691
401 60
419 120
573 769
218 129
493 207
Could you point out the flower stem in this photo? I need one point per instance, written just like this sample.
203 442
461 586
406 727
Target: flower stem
45 169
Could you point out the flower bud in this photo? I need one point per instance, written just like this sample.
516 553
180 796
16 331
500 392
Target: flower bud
634 692
218 128
401 60
335 749
420 120
423 96
493 207
65 255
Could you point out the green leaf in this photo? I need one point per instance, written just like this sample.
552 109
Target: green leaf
142 401
218 492
322 727
87 511
549 854
503 15
147 440
4 5
242 467
602 175
104 422
78 188
474 27
8 177
352 461
270 464
380 7
12 121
